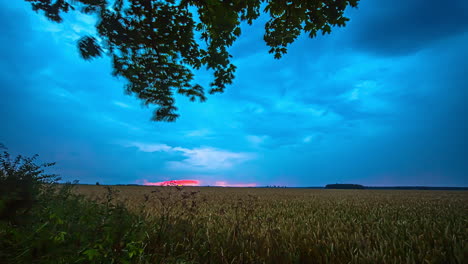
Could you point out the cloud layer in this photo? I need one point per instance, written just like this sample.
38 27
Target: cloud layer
203 158
379 102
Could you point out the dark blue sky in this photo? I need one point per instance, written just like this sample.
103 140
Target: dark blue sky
379 102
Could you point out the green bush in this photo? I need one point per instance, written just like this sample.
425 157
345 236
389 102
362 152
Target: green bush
22 182
44 222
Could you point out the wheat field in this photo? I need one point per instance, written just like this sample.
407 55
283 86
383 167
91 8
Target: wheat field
275 225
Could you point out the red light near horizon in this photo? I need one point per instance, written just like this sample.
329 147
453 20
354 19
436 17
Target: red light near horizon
197 183
173 183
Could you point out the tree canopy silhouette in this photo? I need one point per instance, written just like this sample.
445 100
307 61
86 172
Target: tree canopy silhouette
153 44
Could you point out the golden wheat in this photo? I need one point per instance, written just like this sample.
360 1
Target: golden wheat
268 225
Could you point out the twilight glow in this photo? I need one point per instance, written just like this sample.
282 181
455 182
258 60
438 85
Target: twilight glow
197 183
381 101
173 183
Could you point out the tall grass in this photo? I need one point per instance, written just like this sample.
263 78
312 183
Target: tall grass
253 225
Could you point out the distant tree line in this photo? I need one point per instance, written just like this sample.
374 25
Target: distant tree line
344 186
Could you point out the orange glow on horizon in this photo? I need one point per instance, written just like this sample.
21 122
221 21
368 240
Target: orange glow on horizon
173 183
197 183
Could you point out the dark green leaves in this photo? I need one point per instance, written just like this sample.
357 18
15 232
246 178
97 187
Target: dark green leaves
89 48
290 18
153 47
52 9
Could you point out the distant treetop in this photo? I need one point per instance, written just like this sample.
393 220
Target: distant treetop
344 186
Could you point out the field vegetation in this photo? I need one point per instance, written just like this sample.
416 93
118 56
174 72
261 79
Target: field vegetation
267 225
44 222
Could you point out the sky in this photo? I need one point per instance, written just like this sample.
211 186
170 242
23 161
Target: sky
380 102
